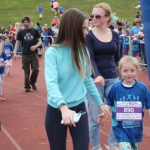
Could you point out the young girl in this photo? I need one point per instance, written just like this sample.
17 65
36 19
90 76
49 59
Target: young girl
40 11
3 61
126 41
127 100
8 49
68 77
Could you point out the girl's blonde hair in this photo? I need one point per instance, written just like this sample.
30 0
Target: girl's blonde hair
128 59
107 9
127 31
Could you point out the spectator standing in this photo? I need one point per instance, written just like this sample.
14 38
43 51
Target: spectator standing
55 30
40 48
12 33
50 34
31 40
134 33
142 45
45 38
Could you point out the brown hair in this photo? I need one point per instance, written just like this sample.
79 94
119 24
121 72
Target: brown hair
107 10
26 19
71 34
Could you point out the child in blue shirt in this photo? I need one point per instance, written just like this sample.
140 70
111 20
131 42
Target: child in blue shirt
8 49
126 42
45 38
127 100
61 11
3 61
40 11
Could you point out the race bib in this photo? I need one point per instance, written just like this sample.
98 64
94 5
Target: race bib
8 53
128 111
1 62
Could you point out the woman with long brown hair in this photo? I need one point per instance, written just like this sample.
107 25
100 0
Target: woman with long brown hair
68 78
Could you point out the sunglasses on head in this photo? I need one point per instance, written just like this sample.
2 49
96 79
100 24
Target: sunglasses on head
97 16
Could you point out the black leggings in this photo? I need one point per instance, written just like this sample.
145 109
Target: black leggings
57 132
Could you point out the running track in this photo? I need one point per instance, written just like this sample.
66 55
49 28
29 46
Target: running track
22 114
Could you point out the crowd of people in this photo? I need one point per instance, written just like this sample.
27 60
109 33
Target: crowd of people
82 61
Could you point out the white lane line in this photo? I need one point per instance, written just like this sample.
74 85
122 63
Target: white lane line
13 85
104 132
40 97
23 74
11 138
21 66
23 90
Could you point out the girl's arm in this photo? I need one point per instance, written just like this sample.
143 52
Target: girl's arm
102 117
52 86
92 90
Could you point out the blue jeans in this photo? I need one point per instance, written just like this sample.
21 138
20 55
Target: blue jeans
94 111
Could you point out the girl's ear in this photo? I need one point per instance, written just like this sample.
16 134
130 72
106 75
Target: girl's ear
119 71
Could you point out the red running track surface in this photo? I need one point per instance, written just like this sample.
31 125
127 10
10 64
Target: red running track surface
22 114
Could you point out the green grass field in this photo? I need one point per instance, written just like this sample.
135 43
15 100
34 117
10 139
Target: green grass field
12 11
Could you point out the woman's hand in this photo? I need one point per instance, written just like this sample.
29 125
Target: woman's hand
67 115
99 80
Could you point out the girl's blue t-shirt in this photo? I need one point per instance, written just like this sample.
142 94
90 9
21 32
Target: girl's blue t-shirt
40 9
3 58
128 131
8 49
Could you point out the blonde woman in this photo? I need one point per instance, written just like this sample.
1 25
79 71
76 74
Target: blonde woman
103 46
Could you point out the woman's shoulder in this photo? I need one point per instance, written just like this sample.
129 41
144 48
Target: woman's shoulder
115 34
90 34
